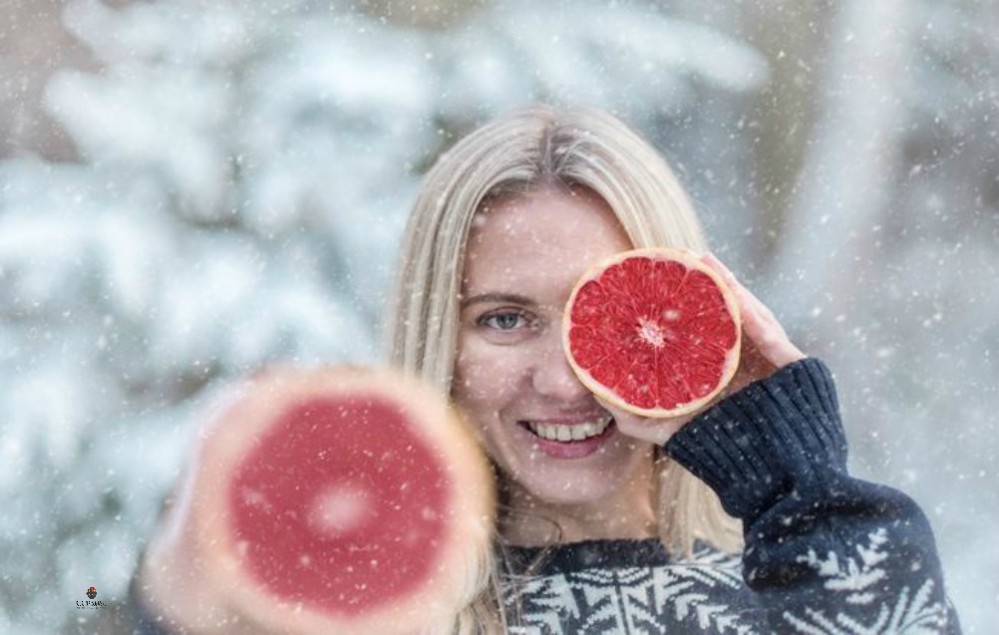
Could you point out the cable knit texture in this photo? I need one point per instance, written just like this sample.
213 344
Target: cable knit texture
769 439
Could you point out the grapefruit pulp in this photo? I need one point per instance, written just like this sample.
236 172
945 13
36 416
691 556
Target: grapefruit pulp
342 500
654 332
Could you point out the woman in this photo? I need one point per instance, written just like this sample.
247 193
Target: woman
624 532
740 518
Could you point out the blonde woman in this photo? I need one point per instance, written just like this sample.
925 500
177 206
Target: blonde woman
740 518
623 531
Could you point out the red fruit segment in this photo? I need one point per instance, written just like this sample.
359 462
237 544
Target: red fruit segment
653 331
338 487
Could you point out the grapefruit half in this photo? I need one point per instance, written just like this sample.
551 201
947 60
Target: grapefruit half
342 500
653 331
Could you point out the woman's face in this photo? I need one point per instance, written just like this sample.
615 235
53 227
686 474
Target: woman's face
542 427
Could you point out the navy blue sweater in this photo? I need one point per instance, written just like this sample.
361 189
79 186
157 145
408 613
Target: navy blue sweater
825 553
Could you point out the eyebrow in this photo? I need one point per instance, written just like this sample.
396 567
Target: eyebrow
511 298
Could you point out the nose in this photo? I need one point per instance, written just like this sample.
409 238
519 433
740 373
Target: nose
553 376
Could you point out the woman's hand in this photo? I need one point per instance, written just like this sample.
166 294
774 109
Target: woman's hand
765 348
173 582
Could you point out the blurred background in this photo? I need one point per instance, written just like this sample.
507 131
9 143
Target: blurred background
191 189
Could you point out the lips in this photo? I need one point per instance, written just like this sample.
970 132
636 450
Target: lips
590 435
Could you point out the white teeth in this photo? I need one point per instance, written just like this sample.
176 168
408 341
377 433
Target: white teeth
576 432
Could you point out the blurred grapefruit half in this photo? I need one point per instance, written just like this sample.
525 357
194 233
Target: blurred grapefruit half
343 500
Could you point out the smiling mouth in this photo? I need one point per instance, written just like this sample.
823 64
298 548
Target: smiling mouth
564 433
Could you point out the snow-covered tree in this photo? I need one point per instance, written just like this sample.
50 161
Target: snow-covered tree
245 174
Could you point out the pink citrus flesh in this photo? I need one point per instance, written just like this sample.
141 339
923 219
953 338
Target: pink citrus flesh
340 507
653 331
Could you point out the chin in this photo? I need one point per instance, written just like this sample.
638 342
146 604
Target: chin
566 488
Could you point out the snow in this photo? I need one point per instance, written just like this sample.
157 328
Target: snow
246 170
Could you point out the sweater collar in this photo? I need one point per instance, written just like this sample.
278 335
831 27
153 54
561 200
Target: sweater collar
587 554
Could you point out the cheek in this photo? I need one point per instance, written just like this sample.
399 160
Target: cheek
475 392
489 382
486 374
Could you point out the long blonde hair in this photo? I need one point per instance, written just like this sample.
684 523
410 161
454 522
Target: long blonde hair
513 154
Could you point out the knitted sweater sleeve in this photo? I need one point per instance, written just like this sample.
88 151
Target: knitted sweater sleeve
824 552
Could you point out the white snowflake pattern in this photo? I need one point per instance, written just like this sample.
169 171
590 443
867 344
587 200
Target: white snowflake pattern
912 613
635 599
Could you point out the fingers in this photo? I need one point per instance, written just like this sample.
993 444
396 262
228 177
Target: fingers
759 324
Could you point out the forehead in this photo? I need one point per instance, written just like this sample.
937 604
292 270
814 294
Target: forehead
539 236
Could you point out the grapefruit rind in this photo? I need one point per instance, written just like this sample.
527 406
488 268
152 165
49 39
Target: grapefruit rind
470 496
600 389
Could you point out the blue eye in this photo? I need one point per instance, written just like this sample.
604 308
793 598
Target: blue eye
503 321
